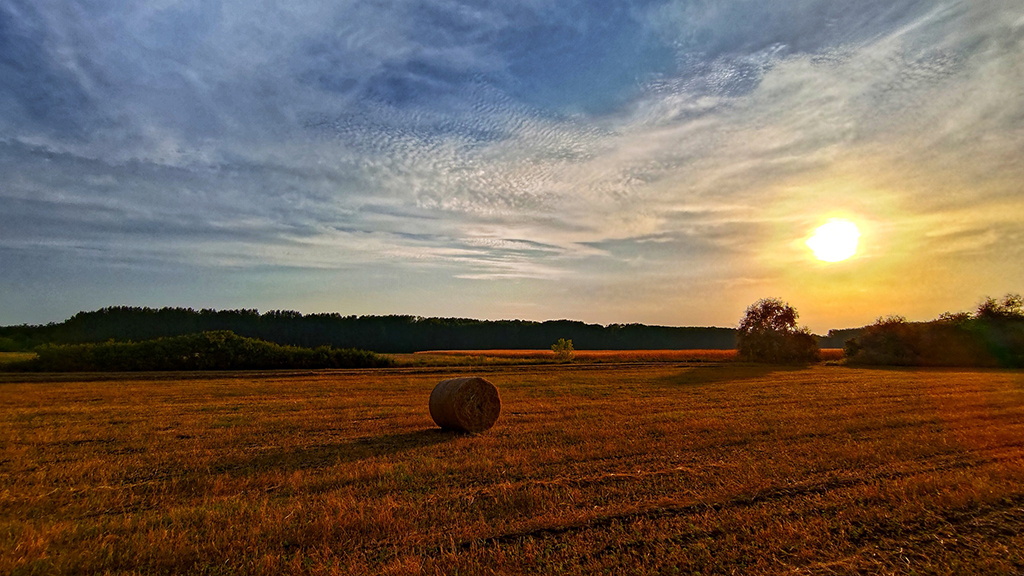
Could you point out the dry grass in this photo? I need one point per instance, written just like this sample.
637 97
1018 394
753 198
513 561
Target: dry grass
597 355
591 356
832 354
8 357
470 358
646 469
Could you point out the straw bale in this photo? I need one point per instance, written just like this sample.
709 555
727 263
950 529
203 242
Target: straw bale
465 404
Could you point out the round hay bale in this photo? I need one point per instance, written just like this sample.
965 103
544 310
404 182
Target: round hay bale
465 404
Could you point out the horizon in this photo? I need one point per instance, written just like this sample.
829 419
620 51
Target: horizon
342 314
662 163
261 312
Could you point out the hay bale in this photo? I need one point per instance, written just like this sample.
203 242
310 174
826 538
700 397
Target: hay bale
465 404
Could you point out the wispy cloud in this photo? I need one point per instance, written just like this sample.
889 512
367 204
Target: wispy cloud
668 146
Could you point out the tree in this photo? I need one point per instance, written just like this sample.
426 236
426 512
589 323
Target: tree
768 332
892 341
994 336
1011 308
563 350
8 345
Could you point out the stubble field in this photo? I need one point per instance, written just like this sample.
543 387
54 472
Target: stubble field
594 356
607 468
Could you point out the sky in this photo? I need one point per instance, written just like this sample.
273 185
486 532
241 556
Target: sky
652 161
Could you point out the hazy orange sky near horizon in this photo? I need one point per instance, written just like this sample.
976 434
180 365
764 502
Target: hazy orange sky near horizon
660 162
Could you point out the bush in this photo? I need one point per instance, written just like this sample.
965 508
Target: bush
221 350
1010 308
563 350
994 336
768 333
9 345
893 341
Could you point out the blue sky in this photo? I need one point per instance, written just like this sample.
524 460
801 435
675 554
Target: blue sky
657 162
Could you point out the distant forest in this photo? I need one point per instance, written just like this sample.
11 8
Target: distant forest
377 333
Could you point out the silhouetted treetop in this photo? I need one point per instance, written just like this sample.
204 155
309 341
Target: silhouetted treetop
768 332
993 336
1011 307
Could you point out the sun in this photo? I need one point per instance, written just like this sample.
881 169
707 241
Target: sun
835 240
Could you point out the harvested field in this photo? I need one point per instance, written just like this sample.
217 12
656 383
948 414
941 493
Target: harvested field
616 355
627 469
600 355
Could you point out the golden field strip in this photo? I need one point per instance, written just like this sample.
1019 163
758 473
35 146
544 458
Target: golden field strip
616 355
8 357
591 469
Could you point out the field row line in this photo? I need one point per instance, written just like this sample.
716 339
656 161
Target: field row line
758 497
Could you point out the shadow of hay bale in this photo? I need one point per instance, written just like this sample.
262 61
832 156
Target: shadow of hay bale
327 455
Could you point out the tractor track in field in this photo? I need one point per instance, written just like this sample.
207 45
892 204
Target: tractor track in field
754 498
525 368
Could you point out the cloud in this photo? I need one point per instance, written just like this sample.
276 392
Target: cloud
598 141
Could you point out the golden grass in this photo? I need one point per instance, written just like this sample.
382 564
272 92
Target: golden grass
599 355
471 358
8 357
655 469
832 354
611 355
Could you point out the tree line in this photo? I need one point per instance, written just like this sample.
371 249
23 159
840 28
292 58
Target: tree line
221 350
992 336
388 334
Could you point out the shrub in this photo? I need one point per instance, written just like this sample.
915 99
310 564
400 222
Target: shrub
994 336
222 350
9 345
563 350
1010 308
893 341
768 332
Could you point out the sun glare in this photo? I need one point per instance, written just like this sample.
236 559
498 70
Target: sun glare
835 240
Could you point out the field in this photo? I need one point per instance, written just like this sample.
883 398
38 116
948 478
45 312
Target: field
711 468
8 357
592 356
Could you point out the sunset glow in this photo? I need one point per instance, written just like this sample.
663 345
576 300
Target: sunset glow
660 162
